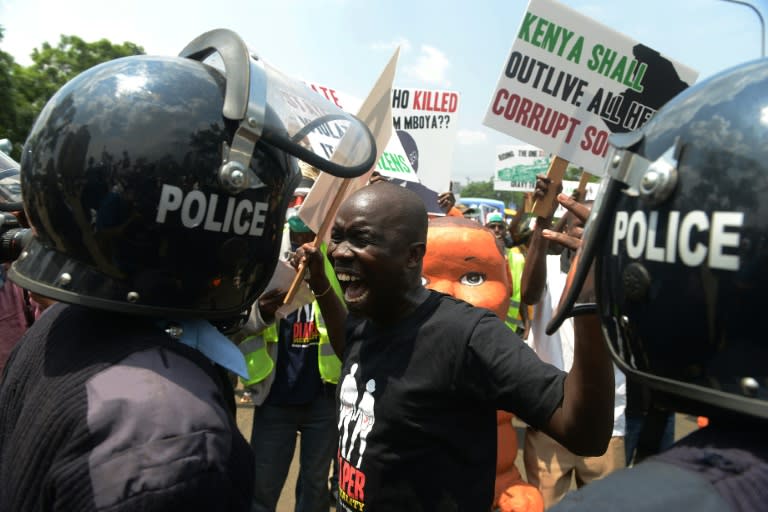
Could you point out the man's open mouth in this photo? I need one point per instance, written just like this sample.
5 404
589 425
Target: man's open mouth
355 289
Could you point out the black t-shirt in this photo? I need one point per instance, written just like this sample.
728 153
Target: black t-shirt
297 376
418 401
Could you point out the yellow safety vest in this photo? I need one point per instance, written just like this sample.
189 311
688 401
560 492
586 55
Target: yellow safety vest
516 262
260 364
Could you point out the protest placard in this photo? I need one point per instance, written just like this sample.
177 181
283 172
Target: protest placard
426 122
516 167
569 82
393 161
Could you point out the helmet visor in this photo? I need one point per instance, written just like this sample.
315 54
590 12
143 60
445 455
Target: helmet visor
284 112
311 128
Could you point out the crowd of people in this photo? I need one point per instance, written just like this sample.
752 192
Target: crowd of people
150 286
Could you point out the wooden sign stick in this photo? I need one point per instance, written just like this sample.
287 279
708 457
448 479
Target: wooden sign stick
581 190
544 206
324 226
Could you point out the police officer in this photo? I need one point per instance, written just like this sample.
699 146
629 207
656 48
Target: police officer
679 245
157 189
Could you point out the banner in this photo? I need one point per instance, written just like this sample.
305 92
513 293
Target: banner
569 82
426 122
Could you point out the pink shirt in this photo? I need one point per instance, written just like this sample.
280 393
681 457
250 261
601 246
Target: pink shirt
13 321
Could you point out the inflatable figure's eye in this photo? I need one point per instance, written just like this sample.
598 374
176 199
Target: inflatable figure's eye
473 278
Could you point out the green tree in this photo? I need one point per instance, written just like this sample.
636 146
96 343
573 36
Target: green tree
7 94
574 174
485 189
51 68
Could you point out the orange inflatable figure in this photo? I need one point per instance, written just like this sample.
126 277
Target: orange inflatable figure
464 260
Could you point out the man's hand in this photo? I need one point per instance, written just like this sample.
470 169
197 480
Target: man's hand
315 263
571 238
446 200
541 190
269 302
333 309
376 177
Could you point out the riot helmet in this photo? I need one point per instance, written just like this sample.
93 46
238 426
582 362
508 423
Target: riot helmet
678 242
158 185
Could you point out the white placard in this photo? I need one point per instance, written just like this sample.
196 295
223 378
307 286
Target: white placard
569 82
426 122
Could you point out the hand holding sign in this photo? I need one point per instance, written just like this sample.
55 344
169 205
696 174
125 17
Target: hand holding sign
545 206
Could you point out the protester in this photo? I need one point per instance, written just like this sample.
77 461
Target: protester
517 318
293 374
16 314
682 310
17 311
423 373
495 222
149 230
549 465
466 261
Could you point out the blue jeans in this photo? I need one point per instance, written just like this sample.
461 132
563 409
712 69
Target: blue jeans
274 440
634 425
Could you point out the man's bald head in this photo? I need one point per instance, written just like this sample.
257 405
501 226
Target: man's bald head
399 208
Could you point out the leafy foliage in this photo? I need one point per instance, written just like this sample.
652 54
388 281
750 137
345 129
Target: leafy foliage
7 94
485 189
24 91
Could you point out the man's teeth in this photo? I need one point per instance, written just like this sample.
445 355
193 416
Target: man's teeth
347 278
351 300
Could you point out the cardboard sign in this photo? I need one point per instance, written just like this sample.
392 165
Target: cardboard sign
393 161
426 122
569 82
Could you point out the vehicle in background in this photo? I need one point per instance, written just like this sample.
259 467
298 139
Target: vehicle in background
480 207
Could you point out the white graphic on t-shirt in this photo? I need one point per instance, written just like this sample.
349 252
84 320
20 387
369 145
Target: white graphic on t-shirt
348 399
355 418
365 419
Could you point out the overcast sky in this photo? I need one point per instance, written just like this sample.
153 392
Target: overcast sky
446 44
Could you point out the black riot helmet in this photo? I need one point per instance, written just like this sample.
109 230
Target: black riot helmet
679 240
158 185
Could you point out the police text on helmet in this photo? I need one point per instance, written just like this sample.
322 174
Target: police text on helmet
198 209
639 233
